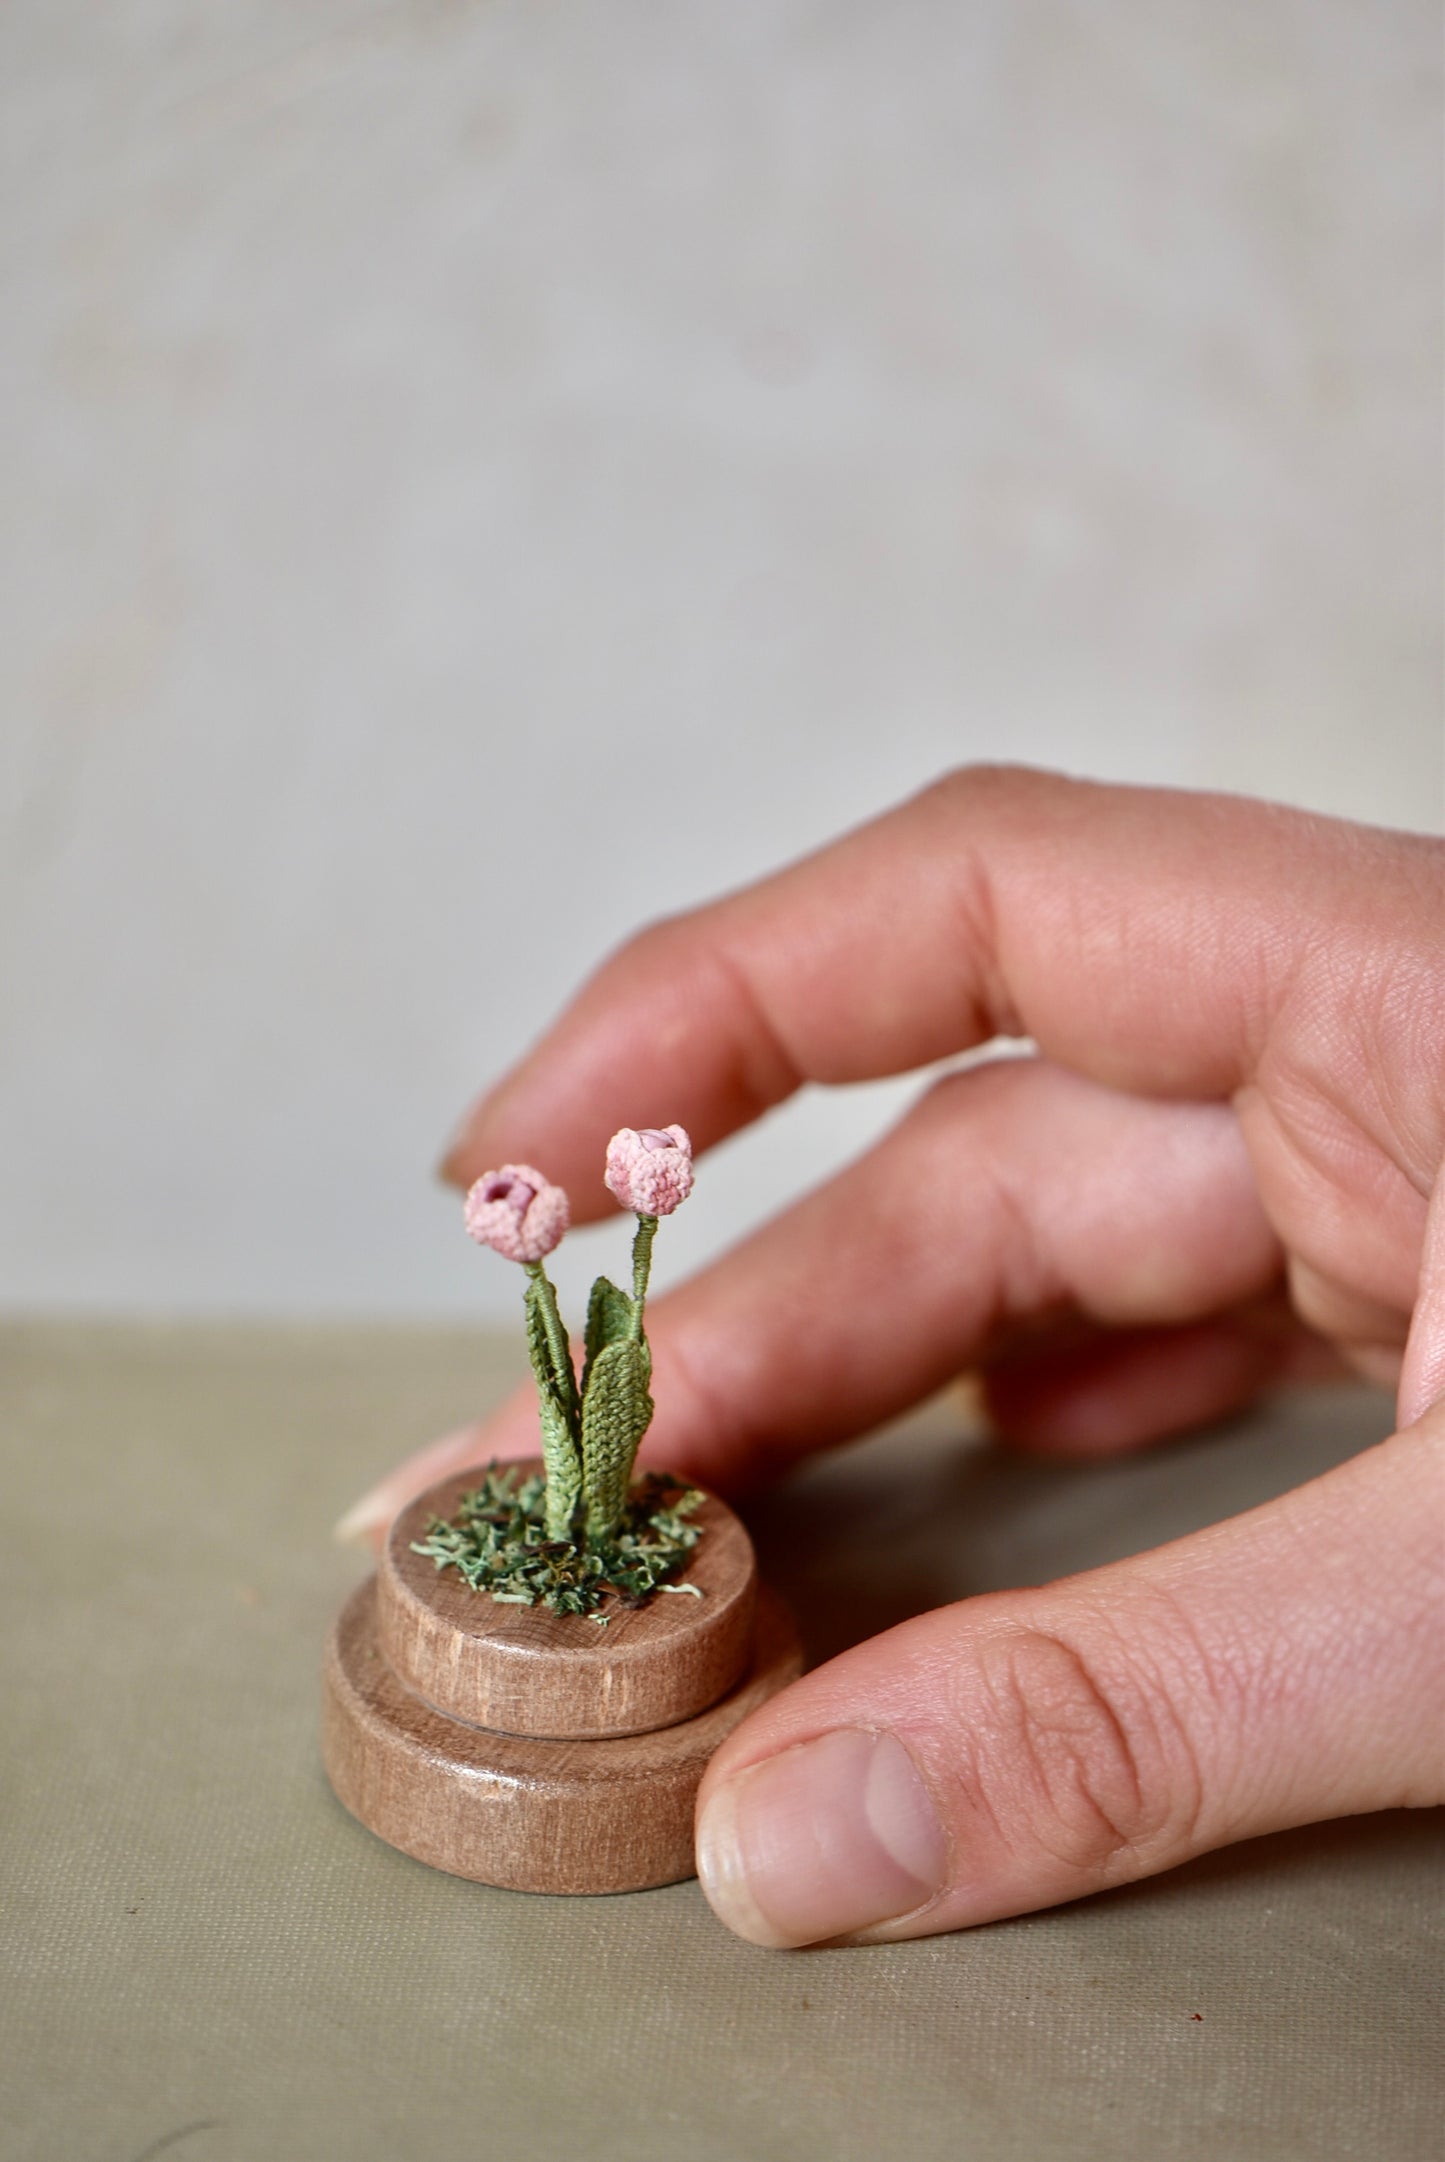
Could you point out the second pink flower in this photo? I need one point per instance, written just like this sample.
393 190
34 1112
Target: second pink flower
649 1169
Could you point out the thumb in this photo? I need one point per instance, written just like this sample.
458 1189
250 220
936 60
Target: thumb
1029 1747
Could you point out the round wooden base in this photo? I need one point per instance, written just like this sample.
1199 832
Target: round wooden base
578 1800
522 1670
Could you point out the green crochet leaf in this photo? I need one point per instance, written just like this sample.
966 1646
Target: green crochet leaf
564 1468
549 1370
557 1413
616 1408
609 1318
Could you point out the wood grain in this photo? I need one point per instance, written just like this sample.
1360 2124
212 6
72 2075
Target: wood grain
611 1815
521 1670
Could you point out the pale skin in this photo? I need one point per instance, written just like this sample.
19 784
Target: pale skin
1222 1169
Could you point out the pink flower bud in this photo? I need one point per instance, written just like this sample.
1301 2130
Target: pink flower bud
516 1212
650 1170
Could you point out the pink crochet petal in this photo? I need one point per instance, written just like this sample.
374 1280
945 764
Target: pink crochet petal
517 1212
650 1171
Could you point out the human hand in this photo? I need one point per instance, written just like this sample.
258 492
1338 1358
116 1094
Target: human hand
1239 1093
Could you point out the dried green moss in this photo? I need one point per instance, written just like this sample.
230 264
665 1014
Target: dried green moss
498 1542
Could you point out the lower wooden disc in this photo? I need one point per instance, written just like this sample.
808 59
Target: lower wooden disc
611 1815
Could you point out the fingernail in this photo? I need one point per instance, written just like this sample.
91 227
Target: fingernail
454 1451
362 1518
831 1837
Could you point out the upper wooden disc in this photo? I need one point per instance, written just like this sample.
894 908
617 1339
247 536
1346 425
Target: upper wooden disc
521 1670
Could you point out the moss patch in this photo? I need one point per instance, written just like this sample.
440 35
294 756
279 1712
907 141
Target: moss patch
497 1541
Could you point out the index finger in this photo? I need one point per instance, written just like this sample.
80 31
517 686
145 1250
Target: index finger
1144 937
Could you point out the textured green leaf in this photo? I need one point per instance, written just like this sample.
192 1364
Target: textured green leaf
564 1469
557 1411
545 1365
609 1318
616 1409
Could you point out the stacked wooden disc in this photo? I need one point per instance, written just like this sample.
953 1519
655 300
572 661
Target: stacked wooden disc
536 1750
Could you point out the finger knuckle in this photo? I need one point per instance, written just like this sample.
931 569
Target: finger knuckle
1077 1763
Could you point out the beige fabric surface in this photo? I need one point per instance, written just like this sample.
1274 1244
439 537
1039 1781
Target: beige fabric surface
204 1957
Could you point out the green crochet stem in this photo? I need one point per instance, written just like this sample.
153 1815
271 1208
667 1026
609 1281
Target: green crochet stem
590 1439
641 1270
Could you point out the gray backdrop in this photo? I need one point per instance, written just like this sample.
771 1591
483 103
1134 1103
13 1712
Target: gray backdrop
478 476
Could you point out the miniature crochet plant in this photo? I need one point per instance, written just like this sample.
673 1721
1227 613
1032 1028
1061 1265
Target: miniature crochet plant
580 1532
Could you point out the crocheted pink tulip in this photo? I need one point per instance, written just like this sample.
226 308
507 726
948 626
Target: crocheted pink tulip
650 1171
517 1213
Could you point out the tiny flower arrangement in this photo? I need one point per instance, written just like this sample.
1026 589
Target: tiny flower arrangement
580 1532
